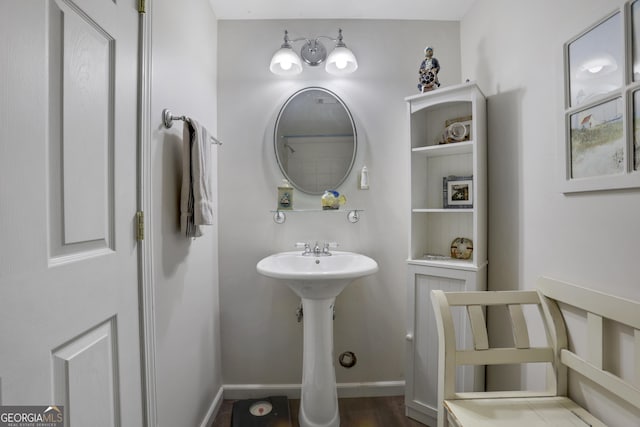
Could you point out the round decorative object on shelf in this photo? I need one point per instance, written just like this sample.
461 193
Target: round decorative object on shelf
456 131
461 248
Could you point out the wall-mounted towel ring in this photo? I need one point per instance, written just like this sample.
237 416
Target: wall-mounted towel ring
168 118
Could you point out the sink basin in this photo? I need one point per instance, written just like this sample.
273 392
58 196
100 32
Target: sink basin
317 277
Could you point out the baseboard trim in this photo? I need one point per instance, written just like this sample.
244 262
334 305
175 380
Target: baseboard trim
292 391
421 415
213 409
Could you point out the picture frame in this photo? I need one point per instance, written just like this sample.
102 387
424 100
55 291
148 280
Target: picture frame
600 147
596 141
595 61
457 192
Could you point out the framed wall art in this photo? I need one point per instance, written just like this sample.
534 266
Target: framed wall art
457 192
600 149
595 61
596 141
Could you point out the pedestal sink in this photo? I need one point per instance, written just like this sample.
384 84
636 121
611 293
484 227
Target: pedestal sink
317 280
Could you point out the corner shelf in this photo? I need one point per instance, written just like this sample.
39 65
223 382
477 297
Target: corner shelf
280 216
433 228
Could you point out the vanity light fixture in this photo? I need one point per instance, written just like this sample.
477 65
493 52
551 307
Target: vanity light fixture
341 60
285 62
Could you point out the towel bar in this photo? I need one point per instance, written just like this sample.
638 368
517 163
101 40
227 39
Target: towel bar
168 118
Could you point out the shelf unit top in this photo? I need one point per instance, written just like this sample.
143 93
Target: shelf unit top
444 92
467 92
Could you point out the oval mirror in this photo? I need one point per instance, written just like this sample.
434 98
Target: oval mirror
315 140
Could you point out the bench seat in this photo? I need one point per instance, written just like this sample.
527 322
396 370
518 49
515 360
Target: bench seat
513 412
523 408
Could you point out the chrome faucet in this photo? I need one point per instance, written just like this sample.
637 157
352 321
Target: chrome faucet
317 249
307 248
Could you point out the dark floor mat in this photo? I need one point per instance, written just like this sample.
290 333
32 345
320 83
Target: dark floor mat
278 416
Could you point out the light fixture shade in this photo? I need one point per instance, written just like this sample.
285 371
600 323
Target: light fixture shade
285 62
341 61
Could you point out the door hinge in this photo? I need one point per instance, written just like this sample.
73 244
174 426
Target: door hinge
139 225
142 7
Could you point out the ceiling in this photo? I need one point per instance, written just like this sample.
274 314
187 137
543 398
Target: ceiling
440 10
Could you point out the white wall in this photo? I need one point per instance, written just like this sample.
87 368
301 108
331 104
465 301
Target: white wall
515 52
186 272
261 341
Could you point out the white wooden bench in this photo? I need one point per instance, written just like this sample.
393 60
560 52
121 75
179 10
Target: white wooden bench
526 408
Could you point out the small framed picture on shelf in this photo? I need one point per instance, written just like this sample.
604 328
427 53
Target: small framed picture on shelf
457 192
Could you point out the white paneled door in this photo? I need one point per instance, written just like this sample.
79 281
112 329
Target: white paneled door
69 317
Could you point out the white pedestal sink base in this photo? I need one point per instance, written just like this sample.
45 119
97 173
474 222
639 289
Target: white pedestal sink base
317 280
319 397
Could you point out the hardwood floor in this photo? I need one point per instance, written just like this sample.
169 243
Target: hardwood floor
354 412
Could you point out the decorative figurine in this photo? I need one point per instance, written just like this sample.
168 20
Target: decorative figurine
428 72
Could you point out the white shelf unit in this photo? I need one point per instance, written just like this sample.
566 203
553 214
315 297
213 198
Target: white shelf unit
433 228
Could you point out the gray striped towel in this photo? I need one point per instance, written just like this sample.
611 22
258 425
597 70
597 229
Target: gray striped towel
196 200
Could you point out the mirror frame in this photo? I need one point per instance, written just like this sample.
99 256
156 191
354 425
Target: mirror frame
353 126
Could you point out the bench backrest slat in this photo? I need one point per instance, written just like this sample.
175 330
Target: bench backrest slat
519 323
489 298
614 384
504 356
478 327
595 340
619 309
